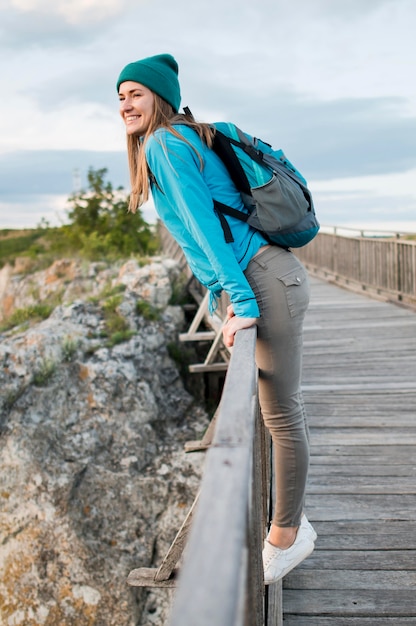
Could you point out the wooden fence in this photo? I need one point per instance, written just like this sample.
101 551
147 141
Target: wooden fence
385 267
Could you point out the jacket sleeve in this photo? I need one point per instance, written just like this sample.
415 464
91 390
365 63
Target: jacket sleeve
189 214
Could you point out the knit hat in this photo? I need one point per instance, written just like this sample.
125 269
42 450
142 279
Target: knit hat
159 74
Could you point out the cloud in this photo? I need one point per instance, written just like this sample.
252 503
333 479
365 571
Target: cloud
27 24
352 10
52 171
326 81
72 11
332 138
348 137
390 198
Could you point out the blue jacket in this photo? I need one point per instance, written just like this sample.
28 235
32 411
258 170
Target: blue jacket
183 192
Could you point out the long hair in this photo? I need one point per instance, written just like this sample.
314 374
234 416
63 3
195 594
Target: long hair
163 116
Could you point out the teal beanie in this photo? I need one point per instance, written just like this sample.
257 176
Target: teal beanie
159 74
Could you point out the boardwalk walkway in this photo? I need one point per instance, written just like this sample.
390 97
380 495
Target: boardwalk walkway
360 392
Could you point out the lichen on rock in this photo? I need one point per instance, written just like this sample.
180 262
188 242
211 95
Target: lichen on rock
94 481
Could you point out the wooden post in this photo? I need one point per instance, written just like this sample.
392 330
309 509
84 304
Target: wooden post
255 609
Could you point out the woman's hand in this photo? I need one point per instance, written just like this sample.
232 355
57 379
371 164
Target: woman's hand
233 324
230 312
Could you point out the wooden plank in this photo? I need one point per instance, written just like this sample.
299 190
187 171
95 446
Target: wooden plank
207 335
206 441
401 560
371 458
369 419
177 547
199 368
145 577
382 452
358 507
361 472
352 386
359 528
365 402
377 620
350 579
351 602
166 574
366 484
363 437
274 597
366 541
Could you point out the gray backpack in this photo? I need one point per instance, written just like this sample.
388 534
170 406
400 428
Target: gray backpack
274 193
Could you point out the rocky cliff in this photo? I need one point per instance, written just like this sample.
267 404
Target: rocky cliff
93 477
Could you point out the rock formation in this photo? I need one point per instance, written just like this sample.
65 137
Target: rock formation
93 477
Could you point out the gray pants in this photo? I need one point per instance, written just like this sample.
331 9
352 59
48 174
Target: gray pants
280 284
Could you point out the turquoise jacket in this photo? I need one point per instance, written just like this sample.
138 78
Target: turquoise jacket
183 193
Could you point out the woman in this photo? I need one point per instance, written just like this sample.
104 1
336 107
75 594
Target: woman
169 154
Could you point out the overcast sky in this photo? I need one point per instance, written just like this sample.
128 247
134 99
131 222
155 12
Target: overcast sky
331 82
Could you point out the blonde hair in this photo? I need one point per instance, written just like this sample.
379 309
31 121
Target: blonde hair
163 117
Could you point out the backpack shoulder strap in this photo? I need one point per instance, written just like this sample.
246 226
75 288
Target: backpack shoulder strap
223 148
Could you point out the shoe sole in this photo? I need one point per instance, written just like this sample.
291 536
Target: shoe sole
292 566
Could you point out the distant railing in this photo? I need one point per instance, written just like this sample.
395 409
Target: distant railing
383 266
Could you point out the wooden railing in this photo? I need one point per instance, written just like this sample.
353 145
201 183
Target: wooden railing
221 580
384 267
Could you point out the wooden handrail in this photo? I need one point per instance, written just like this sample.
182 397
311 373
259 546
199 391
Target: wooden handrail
222 565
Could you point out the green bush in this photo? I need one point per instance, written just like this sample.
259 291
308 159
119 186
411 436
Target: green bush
44 372
13 244
32 313
119 336
69 348
100 225
116 327
146 310
99 228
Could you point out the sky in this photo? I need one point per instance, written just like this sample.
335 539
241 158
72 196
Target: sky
331 82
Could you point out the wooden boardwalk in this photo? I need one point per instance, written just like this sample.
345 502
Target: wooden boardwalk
360 392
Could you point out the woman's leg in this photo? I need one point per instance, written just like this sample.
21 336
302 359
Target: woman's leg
281 286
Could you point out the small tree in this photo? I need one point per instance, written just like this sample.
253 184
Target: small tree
100 224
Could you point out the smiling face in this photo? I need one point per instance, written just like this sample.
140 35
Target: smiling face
136 107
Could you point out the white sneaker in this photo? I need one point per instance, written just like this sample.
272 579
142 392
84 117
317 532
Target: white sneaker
277 562
307 527
304 522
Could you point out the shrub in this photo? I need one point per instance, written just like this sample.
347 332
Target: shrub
32 313
44 372
100 224
69 348
116 327
146 310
